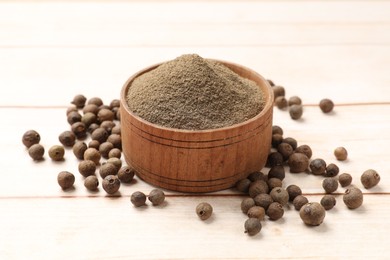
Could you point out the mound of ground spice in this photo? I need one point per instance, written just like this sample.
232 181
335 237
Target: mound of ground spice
193 93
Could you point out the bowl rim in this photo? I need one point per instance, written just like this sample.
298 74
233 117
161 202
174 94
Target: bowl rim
267 105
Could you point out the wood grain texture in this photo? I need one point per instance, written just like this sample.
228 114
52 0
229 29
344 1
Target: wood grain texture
50 51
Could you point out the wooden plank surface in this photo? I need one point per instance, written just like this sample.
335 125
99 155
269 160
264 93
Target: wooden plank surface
50 51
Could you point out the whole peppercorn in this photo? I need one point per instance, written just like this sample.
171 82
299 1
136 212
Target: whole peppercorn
328 202
274 182
255 176
296 112
30 138
71 109
285 150
305 149
274 159
57 152
87 168
138 199
278 91
299 201
256 212
277 130
276 140
204 210
105 115
370 178
79 130
291 141
36 152
94 144
79 149
126 174
105 148
281 102
116 140
243 185
88 119
111 184
246 204
92 127
104 107
96 101
79 101
258 187
293 191
318 166
252 226
99 135
331 170
270 82
280 195
263 200
277 172
157 197
73 117
65 180
345 179
330 185
91 108
298 162
294 100
115 153
115 103
341 153
93 155
67 138
107 169
108 125
275 211
312 214
353 198
116 130
91 183
115 161
326 105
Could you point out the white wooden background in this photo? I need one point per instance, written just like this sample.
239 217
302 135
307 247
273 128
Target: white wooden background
50 51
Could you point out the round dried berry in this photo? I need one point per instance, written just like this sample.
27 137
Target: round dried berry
36 152
243 185
88 119
91 108
92 127
30 138
115 103
138 199
79 130
274 159
255 176
330 185
299 201
258 187
115 153
87 168
263 200
105 149
294 100
298 162
126 174
94 144
277 172
105 115
345 179
111 184
204 210
285 150
293 191
276 140
246 204
79 101
353 198
328 202
91 183
108 125
256 212
79 149
116 130
278 91
318 166
252 226
280 195
281 102
370 178
341 153
275 211
157 197
331 170
115 161
108 169
305 149
73 117
65 180
100 135
326 105
312 214
274 182
291 141
116 140
67 138
93 155
96 101
57 152
296 112
277 130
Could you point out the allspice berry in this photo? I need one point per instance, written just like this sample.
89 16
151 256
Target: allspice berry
105 149
138 199
370 178
293 191
299 201
275 211
274 182
326 105
345 179
330 185
204 210
116 130
79 129
57 152
105 115
298 162
95 101
277 172
89 119
277 130
79 149
255 176
341 153
243 185
318 166
281 102
87 168
256 212
91 108
108 125
36 152
331 170
280 195
291 141
274 158
94 144
115 161
328 202
312 214
353 198
258 187
156 196
111 184
73 117
263 200
65 179
294 100
91 183
246 204
100 135
278 91
305 149
285 150
67 138
252 226
115 103
107 169
296 112
126 174
116 140
276 140
30 138
79 101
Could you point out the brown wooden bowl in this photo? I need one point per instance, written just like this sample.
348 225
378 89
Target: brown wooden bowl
197 161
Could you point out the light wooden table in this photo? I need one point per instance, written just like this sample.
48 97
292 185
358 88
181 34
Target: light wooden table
50 51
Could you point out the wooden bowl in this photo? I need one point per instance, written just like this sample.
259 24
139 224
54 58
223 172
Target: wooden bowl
197 161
